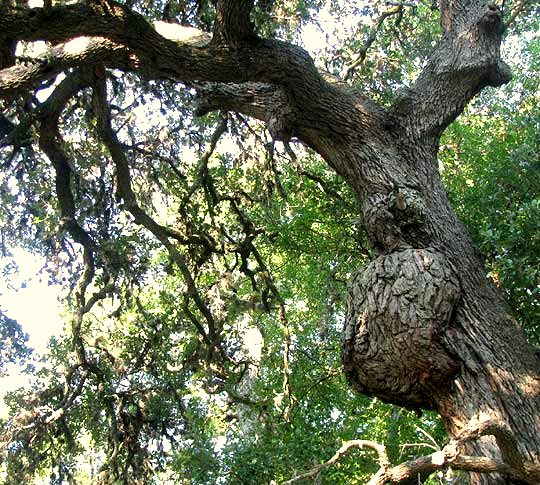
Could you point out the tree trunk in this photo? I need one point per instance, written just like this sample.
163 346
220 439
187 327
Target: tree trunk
426 329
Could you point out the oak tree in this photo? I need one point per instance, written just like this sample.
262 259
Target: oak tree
424 328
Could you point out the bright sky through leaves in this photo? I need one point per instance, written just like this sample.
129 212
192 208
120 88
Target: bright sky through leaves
28 299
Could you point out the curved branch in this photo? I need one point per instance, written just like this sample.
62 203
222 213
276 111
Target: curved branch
503 435
260 61
202 173
343 450
50 143
514 465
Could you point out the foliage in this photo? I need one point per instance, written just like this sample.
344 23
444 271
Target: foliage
491 167
13 340
231 234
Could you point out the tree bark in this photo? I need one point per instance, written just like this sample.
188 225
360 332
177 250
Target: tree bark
424 327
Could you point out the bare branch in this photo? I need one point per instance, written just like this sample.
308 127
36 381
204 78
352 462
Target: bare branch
506 441
450 456
343 450
521 8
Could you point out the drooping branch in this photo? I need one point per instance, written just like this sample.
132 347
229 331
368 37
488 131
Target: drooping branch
162 233
203 179
50 143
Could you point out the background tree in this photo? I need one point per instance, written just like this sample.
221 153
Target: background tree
207 255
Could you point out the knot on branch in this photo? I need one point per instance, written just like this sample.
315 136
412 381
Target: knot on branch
398 307
280 123
395 219
491 20
407 206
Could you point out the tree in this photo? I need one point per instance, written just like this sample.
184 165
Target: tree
424 328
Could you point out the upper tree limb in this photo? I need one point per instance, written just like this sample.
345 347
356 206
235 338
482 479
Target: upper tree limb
119 38
466 60
159 56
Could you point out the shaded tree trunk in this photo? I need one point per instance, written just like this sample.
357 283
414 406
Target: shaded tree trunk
425 328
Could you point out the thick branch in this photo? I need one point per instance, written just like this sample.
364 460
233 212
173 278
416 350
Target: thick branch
233 24
466 61
265 102
263 61
267 62
252 99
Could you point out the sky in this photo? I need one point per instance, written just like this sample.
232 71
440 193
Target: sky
35 305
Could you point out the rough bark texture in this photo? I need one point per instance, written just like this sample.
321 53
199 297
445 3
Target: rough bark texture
424 328
399 307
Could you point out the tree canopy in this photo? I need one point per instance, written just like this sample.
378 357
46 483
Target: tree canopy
206 249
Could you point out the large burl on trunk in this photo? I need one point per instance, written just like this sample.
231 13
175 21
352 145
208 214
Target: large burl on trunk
399 308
